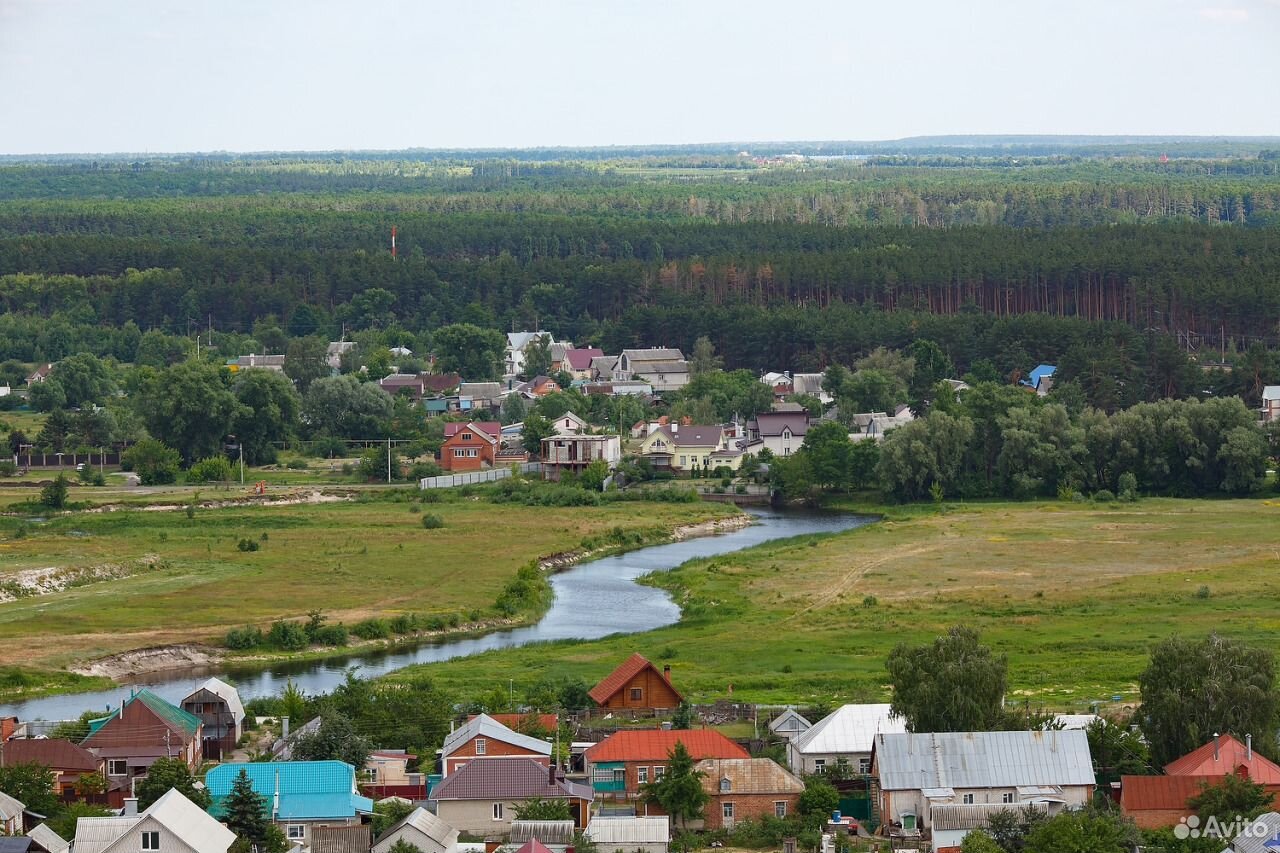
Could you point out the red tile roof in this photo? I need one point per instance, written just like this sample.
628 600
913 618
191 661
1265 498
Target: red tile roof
1141 793
493 428
656 745
56 753
616 680
1232 755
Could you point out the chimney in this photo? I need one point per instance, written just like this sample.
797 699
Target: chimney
1215 746
1248 748
130 807
551 774
666 672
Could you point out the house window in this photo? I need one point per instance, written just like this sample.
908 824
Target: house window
658 772
151 840
466 436
779 808
294 832
642 775
864 766
620 776
786 451
725 785
682 461
481 745
1006 797
726 811
497 811
117 767
197 707
968 799
819 765
637 693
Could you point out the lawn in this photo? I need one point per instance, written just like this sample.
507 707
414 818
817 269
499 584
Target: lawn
1074 594
186 579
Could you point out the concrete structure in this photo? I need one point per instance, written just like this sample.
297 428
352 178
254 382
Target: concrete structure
663 368
67 760
682 447
629 758
253 361
470 446
1271 403
846 734
781 432
301 795
144 728
915 772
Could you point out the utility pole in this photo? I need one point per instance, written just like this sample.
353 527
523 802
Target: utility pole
388 460
241 463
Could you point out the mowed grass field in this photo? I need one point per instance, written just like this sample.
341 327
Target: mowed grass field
1074 594
351 559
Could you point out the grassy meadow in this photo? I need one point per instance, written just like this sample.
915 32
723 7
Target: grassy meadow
1074 594
187 580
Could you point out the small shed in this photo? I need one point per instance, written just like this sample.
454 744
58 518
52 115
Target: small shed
644 834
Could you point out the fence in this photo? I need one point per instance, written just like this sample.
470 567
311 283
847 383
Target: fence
65 460
449 481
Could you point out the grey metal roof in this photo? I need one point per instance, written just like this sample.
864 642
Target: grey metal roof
223 691
1264 830
48 839
485 726
907 762
10 807
618 832
546 831
654 354
848 729
790 720
426 823
976 816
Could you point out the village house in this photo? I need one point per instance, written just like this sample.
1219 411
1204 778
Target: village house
846 734
421 829
481 796
1159 802
40 374
951 823
629 758
538 386
483 395
629 388
534 724
633 834
143 729
572 453
334 353
218 706
747 789
484 737
577 362
810 384
637 684
253 361
300 795
418 386
516 344
680 447
171 823
569 424
1262 835
45 840
919 775
12 815
469 447
67 760
782 433
663 368
1271 403
779 383
1040 379
389 767
789 725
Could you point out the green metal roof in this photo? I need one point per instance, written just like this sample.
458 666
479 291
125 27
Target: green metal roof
166 711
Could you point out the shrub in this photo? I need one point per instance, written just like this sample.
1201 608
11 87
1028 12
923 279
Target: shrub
431 521
247 545
155 463
371 629
7 466
424 469
92 477
288 636
1203 592
328 447
54 494
869 601
214 469
402 624
330 635
297 465
247 637
1103 496
415 508
1128 486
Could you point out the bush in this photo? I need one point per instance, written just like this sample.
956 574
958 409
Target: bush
330 635
247 545
431 521
247 637
1128 486
214 469
54 495
90 476
419 470
328 447
372 629
288 636
1103 496
155 463
297 465
402 624
7 466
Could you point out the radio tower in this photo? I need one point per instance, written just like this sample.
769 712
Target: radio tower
393 242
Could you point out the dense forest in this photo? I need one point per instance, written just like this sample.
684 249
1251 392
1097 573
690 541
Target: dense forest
1103 258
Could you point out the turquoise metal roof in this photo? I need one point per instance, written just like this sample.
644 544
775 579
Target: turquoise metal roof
308 790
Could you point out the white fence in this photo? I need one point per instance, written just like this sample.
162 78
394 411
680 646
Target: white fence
449 481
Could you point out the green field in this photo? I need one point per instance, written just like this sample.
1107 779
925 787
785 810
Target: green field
186 579
1074 594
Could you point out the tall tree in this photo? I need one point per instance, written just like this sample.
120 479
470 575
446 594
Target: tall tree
679 792
189 408
472 352
306 360
954 684
345 407
268 413
245 812
1192 689
537 357
704 358
166 774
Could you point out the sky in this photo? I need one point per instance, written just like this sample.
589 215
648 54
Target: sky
96 76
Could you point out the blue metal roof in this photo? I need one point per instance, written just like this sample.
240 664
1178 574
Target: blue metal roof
308 790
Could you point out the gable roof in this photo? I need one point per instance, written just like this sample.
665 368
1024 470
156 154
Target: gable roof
308 790
48 839
21 844
849 729
773 423
173 811
426 823
506 779
1138 793
748 776
627 670
54 753
665 354
10 807
173 717
1225 755
223 691
439 382
340 839
1261 837
533 845
656 745
482 725
492 429
580 359
1271 392
790 720
910 762
956 816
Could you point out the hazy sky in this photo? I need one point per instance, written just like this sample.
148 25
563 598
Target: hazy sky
204 75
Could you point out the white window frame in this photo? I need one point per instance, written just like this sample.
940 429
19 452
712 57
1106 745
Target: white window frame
659 771
642 775
726 810
819 764
121 762
497 811
1006 797
295 832
966 799
481 746
151 840
779 808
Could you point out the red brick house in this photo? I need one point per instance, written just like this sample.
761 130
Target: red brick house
628 759
637 683
747 788
483 737
471 446
144 728
1160 802
67 760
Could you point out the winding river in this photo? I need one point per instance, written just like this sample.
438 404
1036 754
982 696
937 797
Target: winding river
592 600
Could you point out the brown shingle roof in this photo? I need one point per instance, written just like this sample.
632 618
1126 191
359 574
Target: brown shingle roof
506 779
656 745
748 776
340 839
616 680
56 754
